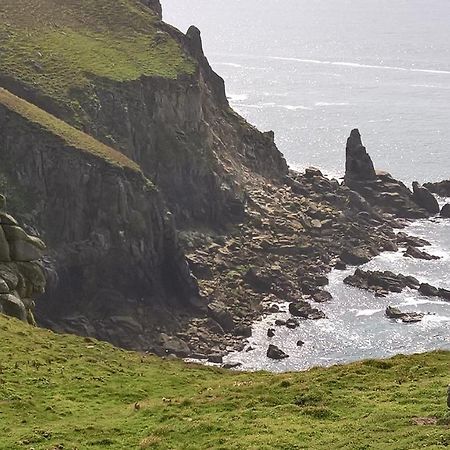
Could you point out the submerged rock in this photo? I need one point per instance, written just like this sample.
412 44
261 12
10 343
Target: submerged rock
273 352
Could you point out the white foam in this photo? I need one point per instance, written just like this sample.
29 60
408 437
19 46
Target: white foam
228 64
360 66
296 108
367 312
332 104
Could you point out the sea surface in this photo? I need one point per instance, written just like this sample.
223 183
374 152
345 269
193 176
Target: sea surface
311 70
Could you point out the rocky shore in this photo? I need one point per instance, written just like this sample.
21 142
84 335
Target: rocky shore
295 233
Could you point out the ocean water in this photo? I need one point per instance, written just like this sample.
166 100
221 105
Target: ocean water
311 70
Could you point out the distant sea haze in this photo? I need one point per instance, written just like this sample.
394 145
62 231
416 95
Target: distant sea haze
313 70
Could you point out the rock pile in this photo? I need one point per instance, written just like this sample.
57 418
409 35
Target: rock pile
21 277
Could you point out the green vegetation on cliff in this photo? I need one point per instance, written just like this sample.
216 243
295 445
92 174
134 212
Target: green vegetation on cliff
71 136
60 391
58 46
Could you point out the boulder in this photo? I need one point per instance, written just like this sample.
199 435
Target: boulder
220 313
174 345
22 246
425 199
270 332
355 256
445 211
13 306
273 352
322 297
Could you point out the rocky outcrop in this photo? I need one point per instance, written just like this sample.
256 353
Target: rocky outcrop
21 276
379 189
425 199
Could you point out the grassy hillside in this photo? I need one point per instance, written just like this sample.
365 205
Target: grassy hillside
72 137
67 392
57 46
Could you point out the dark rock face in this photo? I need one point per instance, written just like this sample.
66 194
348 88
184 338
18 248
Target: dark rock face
424 198
114 260
441 188
273 352
358 165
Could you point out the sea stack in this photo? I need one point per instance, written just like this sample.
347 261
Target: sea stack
358 165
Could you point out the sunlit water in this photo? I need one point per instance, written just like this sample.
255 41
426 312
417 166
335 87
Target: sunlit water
311 71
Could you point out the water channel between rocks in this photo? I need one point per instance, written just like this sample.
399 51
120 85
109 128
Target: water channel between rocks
356 327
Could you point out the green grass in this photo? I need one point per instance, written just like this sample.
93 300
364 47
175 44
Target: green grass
71 136
60 46
60 391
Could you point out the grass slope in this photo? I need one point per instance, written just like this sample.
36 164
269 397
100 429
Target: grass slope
67 392
59 46
71 136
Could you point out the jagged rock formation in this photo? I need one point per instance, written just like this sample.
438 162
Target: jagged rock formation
380 189
358 164
21 276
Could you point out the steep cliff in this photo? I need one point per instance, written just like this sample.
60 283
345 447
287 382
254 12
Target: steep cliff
114 266
148 91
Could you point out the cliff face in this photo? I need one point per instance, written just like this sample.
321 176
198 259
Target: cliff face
114 265
178 128
125 80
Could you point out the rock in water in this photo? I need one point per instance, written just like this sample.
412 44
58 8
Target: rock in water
413 252
273 352
445 211
424 198
358 165
406 317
